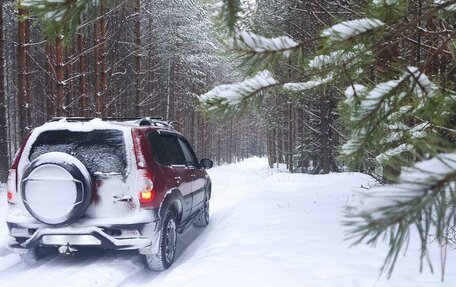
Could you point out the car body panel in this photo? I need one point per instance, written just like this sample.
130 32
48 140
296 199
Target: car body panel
115 203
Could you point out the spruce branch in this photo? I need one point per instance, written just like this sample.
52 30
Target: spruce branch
251 43
397 113
349 29
63 18
224 98
420 193
311 84
229 13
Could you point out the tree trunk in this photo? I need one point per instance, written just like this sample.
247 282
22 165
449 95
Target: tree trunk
103 50
50 103
60 73
100 62
290 137
153 103
324 134
83 100
96 78
138 58
23 93
3 125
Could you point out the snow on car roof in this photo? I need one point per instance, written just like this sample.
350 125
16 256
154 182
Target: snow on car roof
86 126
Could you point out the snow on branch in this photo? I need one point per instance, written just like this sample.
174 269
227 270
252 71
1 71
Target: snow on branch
60 17
352 91
390 211
375 97
354 143
55 12
447 4
379 102
348 29
332 59
389 154
400 131
233 94
386 205
373 100
296 87
421 83
250 42
417 132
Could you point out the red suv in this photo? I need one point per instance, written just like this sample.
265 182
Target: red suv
110 183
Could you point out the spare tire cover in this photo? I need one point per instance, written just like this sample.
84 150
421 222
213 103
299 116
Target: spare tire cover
56 189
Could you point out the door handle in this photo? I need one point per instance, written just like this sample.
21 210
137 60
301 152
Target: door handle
193 175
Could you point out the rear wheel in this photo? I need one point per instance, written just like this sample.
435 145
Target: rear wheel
167 245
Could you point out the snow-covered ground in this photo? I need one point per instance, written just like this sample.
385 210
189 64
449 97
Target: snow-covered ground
267 229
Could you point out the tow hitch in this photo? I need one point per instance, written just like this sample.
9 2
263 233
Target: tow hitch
67 249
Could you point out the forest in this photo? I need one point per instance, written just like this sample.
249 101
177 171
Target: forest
141 59
154 58
319 86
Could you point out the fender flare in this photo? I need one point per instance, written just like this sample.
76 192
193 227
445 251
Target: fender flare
173 199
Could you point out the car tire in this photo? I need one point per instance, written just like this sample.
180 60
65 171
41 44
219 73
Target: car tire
33 255
167 245
203 220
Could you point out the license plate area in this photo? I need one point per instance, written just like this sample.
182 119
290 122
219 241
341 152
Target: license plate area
70 239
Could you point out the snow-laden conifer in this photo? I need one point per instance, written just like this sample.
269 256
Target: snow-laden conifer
424 196
348 29
395 114
296 87
233 94
334 58
250 42
449 5
61 17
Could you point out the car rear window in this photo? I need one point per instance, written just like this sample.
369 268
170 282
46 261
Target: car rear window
101 151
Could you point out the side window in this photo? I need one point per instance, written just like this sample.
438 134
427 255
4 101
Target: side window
173 150
190 157
158 149
165 149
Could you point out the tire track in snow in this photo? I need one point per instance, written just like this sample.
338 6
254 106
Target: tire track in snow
225 194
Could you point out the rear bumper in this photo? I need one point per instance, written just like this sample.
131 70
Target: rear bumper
129 233
89 236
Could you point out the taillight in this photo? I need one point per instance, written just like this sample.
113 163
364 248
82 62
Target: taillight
146 188
11 186
140 160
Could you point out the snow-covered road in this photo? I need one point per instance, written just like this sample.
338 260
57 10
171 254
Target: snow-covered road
267 229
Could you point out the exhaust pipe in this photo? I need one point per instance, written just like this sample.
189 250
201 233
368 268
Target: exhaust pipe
67 249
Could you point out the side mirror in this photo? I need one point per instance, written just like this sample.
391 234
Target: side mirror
207 163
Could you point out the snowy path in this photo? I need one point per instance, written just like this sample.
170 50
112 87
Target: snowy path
267 229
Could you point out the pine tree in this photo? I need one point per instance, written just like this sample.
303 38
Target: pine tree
399 111
104 66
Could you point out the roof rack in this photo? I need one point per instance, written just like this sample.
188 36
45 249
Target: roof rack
144 121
